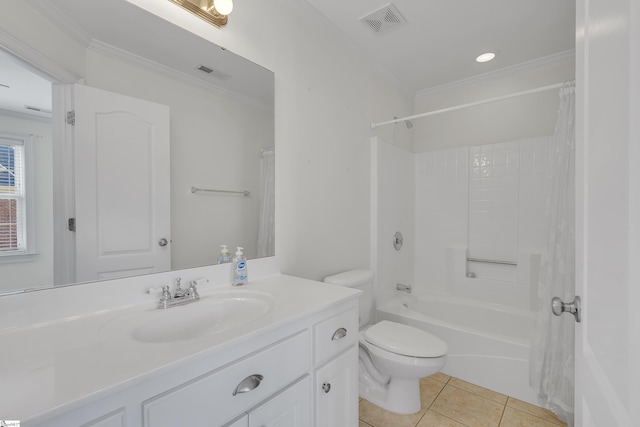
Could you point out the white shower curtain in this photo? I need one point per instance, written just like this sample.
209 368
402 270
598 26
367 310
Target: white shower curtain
552 350
266 225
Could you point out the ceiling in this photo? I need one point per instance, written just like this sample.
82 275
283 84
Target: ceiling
441 38
437 45
161 46
21 91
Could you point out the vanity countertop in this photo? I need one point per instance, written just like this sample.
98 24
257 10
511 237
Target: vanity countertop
64 363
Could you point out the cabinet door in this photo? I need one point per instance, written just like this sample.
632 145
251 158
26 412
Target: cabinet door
336 391
289 408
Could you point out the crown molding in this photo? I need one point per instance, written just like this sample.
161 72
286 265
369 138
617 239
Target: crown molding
557 58
131 58
36 61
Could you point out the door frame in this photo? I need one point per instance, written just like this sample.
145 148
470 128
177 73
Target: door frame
63 202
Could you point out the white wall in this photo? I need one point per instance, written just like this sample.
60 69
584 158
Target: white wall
508 120
215 143
326 98
20 275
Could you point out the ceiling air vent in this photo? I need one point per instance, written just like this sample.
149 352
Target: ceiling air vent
384 19
42 110
215 73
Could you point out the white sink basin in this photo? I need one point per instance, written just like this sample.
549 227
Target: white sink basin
213 313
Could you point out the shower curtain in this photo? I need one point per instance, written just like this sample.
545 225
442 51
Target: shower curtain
266 225
552 350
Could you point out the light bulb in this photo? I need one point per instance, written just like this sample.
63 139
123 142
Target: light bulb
486 57
224 7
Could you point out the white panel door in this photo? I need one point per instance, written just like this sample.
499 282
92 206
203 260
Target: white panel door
608 213
121 147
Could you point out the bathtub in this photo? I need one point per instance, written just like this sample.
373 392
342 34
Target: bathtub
488 343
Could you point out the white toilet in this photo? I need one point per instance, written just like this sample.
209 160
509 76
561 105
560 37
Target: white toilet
393 356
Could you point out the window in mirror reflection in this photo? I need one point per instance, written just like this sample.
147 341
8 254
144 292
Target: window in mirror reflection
14 231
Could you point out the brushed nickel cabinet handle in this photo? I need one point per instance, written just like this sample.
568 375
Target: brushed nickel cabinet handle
250 383
339 334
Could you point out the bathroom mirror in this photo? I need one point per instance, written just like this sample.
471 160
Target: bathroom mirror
221 126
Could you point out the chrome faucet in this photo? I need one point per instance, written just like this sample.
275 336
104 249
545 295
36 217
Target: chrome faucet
404 288
180 297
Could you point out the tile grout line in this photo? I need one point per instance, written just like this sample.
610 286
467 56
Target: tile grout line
504 409
562 424
434 400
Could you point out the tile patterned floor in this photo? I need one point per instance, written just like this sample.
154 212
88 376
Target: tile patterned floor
450 402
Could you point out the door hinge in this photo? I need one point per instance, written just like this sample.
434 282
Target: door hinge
71 224
71 117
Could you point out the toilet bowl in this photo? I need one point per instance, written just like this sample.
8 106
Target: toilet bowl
393 357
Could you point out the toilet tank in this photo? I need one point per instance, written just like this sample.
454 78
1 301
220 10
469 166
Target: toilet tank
358 279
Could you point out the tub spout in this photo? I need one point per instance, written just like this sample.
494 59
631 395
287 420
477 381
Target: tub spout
404 288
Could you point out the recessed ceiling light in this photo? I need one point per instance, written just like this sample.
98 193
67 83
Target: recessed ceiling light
486 57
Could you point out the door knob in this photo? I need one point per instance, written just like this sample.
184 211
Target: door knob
326 387
163 242
558 307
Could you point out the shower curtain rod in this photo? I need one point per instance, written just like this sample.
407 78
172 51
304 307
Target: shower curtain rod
470 104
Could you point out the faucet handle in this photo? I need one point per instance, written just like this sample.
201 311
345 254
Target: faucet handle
193 290
166 294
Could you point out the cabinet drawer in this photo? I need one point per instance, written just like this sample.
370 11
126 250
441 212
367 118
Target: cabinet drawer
335 334
210 400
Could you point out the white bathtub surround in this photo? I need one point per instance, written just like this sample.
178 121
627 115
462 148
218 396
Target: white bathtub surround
552 355
64 370
510 285
487 201
488 343
392 210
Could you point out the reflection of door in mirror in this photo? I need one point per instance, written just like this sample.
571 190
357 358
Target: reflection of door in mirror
121 185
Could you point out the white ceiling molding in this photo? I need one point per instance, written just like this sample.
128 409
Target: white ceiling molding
558 58
37 62
131 58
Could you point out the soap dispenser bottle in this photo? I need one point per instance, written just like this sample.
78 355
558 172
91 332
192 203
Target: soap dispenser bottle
224 256
239 269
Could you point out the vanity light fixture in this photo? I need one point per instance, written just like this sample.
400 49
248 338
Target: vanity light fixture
213 11
486 57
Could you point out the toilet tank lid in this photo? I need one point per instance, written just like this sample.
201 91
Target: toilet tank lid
350 278
405 340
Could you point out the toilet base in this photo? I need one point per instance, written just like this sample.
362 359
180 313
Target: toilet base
400 395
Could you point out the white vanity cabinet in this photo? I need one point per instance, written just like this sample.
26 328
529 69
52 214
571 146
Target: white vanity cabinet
289 408
336 374
301 372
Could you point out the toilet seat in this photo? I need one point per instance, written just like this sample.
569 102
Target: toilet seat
404 340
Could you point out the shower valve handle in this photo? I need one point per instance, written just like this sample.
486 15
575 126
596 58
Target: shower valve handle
558 307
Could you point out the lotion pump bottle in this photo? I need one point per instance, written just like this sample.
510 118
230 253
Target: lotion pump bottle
239 269
224 256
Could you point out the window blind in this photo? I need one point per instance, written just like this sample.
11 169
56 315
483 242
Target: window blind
12 196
